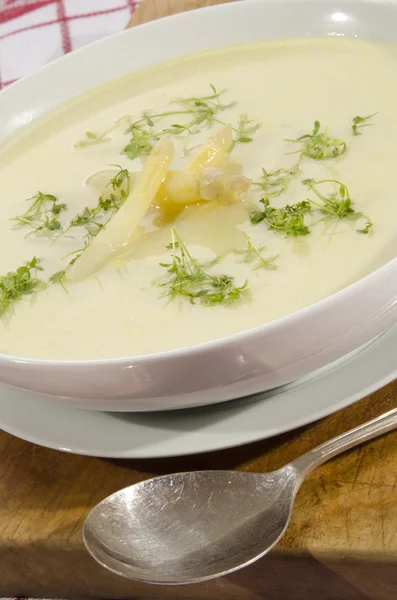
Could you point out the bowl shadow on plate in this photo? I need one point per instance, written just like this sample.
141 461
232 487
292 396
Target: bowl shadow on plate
170 423
189 420
203 416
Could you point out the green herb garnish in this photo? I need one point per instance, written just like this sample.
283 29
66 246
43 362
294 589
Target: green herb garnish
276 183
60 278
109 202
93 139
201 113
190 279
243 132
197 114
143 139
289 220
21 282
253 254
77 253
95 219
338 204
319 145
359 122
42 214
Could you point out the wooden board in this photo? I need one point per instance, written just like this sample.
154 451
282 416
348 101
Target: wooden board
154 9
341 544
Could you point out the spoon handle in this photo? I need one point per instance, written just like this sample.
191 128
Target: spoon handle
316 457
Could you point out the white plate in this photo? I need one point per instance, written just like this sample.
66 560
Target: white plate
175 433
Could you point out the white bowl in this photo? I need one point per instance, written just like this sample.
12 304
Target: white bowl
248 362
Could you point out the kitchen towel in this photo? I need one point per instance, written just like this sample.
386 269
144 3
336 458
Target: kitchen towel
34 32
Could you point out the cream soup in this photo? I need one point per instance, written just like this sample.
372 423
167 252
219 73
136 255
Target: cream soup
252 261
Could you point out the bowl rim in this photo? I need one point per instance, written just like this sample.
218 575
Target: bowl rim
246 335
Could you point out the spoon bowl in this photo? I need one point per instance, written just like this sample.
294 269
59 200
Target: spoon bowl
190 527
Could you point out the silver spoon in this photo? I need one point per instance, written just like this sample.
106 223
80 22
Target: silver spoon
190 527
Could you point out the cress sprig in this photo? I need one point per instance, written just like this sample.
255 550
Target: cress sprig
288 220
21 282
319 145
93 220
60 278
244 131
109 202
42 216
254 255
273 184
360 122
195 114
189 279
338 204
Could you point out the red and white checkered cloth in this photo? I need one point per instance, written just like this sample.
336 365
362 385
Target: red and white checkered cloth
34 32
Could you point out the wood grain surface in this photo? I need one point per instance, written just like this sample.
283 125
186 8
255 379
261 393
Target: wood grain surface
154 9
341 544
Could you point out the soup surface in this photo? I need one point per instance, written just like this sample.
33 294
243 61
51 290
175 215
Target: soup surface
249 234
